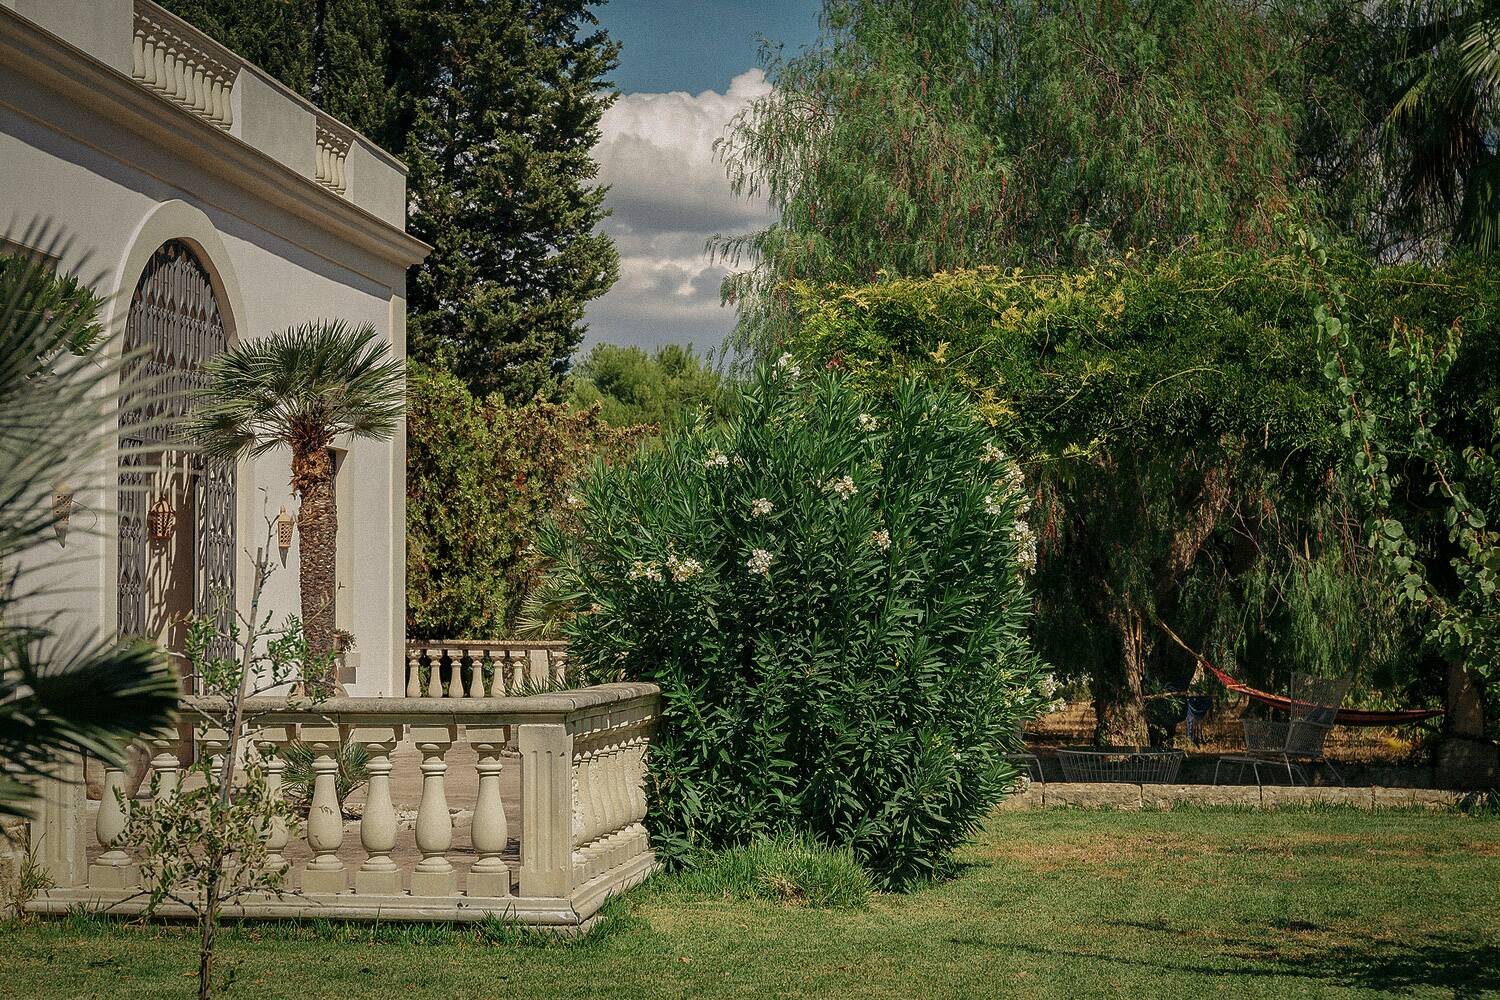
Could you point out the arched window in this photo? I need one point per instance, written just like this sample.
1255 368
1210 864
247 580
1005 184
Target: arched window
176 525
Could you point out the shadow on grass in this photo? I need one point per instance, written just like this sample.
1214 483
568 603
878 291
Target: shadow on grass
1459 967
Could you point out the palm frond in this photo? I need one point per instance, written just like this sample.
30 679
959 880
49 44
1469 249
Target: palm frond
59 417
326 374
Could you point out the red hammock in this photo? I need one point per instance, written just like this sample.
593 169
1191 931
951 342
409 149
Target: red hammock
1346 716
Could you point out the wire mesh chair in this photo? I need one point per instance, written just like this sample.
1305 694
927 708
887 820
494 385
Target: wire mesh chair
1315 703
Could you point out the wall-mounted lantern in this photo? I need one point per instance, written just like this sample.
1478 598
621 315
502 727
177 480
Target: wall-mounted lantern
62 511
284 524
161 519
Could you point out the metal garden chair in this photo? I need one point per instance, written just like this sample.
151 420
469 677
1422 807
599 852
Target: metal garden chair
1315 703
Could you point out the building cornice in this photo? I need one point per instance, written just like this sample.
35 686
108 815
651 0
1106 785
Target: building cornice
42 56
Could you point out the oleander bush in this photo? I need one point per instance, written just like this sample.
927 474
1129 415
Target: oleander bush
833 603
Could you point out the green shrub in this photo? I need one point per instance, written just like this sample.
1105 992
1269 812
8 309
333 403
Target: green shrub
633 388
833 606
792 870
481 477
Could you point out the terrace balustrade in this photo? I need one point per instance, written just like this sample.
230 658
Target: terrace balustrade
581 755
467 668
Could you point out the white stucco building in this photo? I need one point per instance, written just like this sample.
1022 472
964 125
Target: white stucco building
206 204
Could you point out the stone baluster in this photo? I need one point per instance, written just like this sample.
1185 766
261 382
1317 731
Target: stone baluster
213 742
490 877
619 796
193 99
636 788
435 677
158 71
114 869
602 847
536 668
581 819
414 671
517 670
166 769
619 806
476 673
378 875
269 742
455 672
434 874
138 56
598 849
325 873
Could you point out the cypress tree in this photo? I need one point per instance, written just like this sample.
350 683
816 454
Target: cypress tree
501 107
495 106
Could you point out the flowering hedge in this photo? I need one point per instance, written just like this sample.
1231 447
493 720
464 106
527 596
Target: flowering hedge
833 604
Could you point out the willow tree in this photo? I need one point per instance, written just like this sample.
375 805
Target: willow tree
1176 431
303 389
920 136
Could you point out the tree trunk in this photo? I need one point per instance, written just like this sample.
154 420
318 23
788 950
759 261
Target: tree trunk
317 528
1464 703
209 919
1119 705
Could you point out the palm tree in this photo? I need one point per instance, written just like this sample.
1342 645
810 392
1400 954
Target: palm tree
303 388
1440 132
57 419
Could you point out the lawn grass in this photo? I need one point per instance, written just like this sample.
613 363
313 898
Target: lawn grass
1187 903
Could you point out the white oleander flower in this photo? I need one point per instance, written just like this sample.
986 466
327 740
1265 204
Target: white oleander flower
881 539
786 364
716 460
991 453
992 505
1013 488
760 562
683 569
1025 540
760 507
843 486
644 571
573 501
868 423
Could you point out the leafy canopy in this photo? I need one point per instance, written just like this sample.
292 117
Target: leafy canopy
918 137
661 389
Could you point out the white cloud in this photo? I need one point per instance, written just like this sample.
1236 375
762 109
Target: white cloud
669 194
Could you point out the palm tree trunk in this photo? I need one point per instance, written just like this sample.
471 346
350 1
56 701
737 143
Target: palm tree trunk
317 527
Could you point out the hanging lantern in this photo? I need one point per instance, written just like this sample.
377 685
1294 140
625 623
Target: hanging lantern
284 524
161 520
62 510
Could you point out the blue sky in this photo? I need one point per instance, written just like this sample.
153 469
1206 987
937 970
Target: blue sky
676 45
685 70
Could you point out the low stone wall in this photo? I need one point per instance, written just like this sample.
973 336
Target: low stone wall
1112 795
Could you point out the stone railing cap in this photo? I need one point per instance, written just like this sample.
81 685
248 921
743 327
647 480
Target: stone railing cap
558 706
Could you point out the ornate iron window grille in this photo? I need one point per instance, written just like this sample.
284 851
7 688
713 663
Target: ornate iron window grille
174 327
